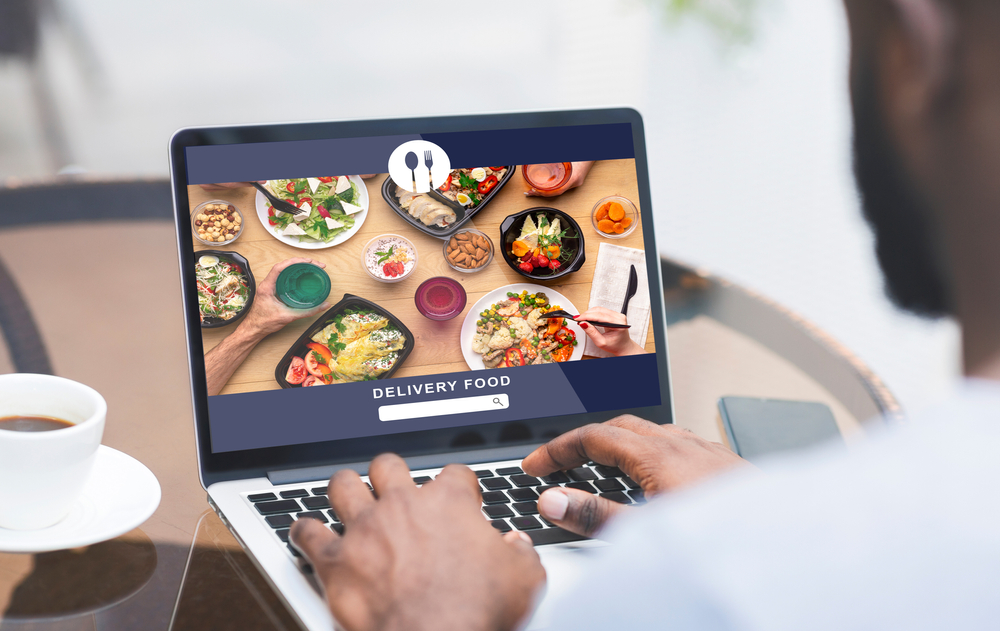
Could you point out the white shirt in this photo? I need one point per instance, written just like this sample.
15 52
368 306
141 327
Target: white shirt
901 532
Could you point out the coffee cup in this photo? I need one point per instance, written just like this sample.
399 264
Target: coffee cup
43 472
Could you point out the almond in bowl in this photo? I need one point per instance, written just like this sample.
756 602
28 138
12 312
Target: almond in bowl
468 251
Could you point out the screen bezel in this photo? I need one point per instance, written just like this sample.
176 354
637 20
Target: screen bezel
217 467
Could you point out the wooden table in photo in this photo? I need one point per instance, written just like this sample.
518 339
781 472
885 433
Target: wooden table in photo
437 345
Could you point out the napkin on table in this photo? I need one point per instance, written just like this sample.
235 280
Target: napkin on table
608 290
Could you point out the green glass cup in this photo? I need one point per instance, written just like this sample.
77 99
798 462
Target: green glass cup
302 286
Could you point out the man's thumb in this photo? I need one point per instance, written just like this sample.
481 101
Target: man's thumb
577 511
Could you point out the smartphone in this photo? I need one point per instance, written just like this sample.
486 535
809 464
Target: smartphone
761 427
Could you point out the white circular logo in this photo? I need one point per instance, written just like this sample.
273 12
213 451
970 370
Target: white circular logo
418 166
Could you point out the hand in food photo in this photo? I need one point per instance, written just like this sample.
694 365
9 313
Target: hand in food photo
267 315
614 341
578 176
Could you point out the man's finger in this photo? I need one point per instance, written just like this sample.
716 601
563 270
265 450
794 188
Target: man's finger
349 495
604 444
459 480
388 473
577 511
318 543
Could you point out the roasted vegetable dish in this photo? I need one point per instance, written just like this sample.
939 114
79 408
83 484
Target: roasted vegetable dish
542 245
469 187
513 332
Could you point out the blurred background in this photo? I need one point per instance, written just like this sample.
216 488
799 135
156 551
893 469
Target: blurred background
745 104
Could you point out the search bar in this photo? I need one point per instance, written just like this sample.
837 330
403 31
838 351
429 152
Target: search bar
423 409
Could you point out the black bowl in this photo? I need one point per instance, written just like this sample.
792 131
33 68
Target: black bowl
349 301
240 261
510 230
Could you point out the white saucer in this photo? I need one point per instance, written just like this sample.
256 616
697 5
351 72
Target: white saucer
120 494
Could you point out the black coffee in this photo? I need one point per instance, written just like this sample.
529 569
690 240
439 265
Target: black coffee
33 423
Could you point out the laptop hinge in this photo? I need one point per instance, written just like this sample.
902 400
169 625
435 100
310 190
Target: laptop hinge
432 461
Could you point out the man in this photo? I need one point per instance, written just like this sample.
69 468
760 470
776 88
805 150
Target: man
901 533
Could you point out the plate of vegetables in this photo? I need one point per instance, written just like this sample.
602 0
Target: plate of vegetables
335 208
505 328
542 243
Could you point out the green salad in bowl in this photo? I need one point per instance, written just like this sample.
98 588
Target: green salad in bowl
331 205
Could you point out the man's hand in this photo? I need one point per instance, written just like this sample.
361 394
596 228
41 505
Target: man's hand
418 557
268 314
615 341
659 457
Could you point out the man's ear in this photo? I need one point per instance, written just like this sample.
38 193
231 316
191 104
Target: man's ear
918 56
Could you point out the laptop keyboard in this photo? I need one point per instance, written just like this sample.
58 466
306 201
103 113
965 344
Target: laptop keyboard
510 500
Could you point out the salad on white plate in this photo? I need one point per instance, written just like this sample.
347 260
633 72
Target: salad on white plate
332 207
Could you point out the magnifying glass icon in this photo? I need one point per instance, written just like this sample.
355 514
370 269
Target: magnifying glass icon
496 401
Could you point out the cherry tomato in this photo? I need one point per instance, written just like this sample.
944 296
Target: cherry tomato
321 350
487 185
526 267
296 371
310 381
554 264
541 261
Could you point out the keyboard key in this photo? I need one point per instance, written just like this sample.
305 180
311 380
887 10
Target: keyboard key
333 515
609 472
546 522
637 496
283 534
498 512
495 484
338 527
546 536
630 483
279 521
525 480
523 495
424 479
559 477
262 497
605 486
281 506
526 508
316 503
525 523
484 473
509 471
581 473
319 490
317 515
501 525
295 553
495 497
581 486
294 493
542 489
617 496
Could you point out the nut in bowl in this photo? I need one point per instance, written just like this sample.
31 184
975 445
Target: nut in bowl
389 258
614 217
216 222
468 251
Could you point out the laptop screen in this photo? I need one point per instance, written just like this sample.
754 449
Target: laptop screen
371 286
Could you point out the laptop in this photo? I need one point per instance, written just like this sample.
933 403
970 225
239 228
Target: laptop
434 341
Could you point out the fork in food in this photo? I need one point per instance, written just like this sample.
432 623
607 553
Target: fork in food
429 161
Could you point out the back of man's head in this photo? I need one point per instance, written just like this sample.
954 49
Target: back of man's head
925 85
